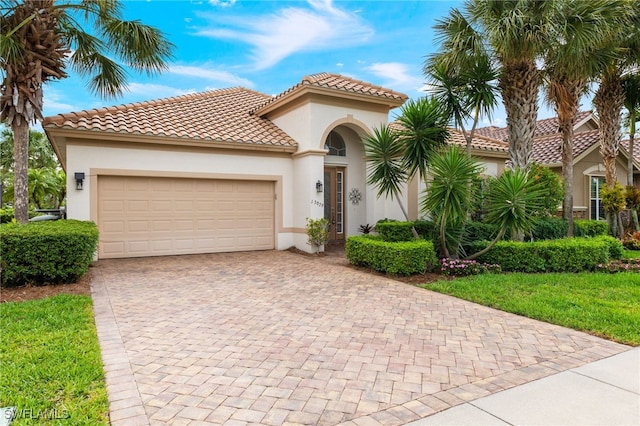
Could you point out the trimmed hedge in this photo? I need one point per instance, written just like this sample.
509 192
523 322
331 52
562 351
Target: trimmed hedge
590 228
403 258
51 252
393 231
566 255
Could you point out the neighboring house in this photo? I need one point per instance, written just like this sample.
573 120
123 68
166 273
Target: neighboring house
588 167
234 169
224 170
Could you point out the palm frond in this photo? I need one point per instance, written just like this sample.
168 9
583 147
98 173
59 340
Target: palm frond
109 80
383 154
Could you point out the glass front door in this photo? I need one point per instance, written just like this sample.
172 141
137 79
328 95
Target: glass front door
334 201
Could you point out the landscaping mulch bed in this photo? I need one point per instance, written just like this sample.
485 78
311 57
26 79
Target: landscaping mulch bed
30 292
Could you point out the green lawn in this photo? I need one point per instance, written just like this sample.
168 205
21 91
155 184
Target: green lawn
607 305
50 366
631 254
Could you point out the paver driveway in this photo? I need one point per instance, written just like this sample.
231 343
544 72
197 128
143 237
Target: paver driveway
279 338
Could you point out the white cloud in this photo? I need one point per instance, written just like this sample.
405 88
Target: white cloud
397 76
156 91
222 3
208 73
291 30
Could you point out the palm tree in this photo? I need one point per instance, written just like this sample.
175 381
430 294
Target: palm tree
450 194
467 89
39 39
512 202
423 131
610 95
385 170
573 56
515 33
631 86
394 156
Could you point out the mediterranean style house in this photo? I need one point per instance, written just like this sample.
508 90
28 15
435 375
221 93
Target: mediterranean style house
234 169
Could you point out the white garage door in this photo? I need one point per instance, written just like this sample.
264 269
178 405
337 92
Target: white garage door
151 216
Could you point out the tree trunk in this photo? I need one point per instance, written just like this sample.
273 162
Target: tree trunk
21 157
406 216
519 84
609 100
632 131
565 93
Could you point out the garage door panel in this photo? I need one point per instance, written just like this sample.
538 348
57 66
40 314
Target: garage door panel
144 216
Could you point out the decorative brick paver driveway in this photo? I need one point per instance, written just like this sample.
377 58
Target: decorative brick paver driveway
279 338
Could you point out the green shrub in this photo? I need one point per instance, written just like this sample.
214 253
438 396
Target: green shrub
589 228
46 252
403 258
6 215
565 255
550 228
614 246
393 231
317 232
479 231
426 229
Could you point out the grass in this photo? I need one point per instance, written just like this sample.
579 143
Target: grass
631 254
602 304
50 362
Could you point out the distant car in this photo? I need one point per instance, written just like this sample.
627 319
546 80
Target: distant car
51 214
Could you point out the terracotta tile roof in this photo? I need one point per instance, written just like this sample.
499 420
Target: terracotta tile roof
636 147
339 83
547 126
546 149
219 115
456 137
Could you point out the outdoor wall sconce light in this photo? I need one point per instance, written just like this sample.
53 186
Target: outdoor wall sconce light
79 180
318 187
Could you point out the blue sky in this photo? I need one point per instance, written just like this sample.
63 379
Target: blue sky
269 46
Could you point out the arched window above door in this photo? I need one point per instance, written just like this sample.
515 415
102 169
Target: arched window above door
335 145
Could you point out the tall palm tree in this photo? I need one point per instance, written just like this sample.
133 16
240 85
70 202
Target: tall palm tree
610 96
39 39
575 55
515 32
631 86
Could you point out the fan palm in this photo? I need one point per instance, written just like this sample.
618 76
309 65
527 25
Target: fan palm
515 32
39 39
610 96
575 55
631 86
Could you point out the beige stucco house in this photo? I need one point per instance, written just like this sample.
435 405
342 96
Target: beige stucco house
235 170
224 170
588 167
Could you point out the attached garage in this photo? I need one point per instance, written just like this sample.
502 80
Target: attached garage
155 216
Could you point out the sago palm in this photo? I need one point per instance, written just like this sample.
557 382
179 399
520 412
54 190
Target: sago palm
40 39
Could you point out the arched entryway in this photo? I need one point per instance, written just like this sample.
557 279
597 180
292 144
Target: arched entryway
344 181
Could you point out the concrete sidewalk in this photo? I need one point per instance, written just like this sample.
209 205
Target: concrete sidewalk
605 392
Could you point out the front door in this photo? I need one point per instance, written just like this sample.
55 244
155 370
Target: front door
334 202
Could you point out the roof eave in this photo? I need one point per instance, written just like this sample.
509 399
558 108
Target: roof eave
337 93
57 132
